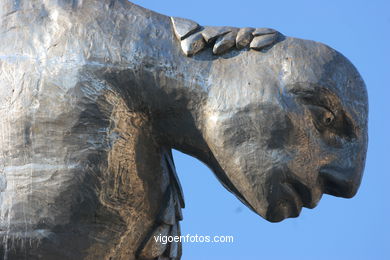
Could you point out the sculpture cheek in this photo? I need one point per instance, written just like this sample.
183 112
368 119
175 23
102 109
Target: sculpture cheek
238 131
281 134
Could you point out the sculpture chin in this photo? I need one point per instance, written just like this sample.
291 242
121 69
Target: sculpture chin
293 196
284 209
289 206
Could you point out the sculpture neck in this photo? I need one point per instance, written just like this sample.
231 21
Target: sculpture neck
169 84
143 60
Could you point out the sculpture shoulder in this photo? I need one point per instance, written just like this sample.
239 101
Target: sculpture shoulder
89 27
195 38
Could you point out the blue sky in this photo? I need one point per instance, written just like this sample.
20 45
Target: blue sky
338 228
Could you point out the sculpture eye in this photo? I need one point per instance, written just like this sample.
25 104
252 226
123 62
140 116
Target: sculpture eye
328 118
330 123
323 118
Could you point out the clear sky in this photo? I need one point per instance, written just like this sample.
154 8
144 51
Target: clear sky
358 228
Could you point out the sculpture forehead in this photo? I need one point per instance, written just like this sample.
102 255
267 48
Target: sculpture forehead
311 62
310 66
262 77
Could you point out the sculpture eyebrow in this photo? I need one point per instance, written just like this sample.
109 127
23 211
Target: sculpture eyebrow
317 95
321 96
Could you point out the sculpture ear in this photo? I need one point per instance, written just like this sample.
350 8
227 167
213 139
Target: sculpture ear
221 39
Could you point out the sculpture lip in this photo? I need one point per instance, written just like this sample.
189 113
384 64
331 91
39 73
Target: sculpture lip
289 206
296 199
303 193
298 196
293 197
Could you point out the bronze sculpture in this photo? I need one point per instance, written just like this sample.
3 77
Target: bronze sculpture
95 94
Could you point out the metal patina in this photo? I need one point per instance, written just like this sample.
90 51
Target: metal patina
95 94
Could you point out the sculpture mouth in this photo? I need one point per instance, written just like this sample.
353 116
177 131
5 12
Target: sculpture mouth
306 195
295 199
295 196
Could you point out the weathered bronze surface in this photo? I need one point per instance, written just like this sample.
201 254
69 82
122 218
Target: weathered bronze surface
95 94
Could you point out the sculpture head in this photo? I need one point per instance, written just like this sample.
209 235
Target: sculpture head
286 126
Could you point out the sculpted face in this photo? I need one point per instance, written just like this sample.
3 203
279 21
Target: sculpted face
287 126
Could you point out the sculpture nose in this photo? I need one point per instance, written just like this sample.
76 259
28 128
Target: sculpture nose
339 181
